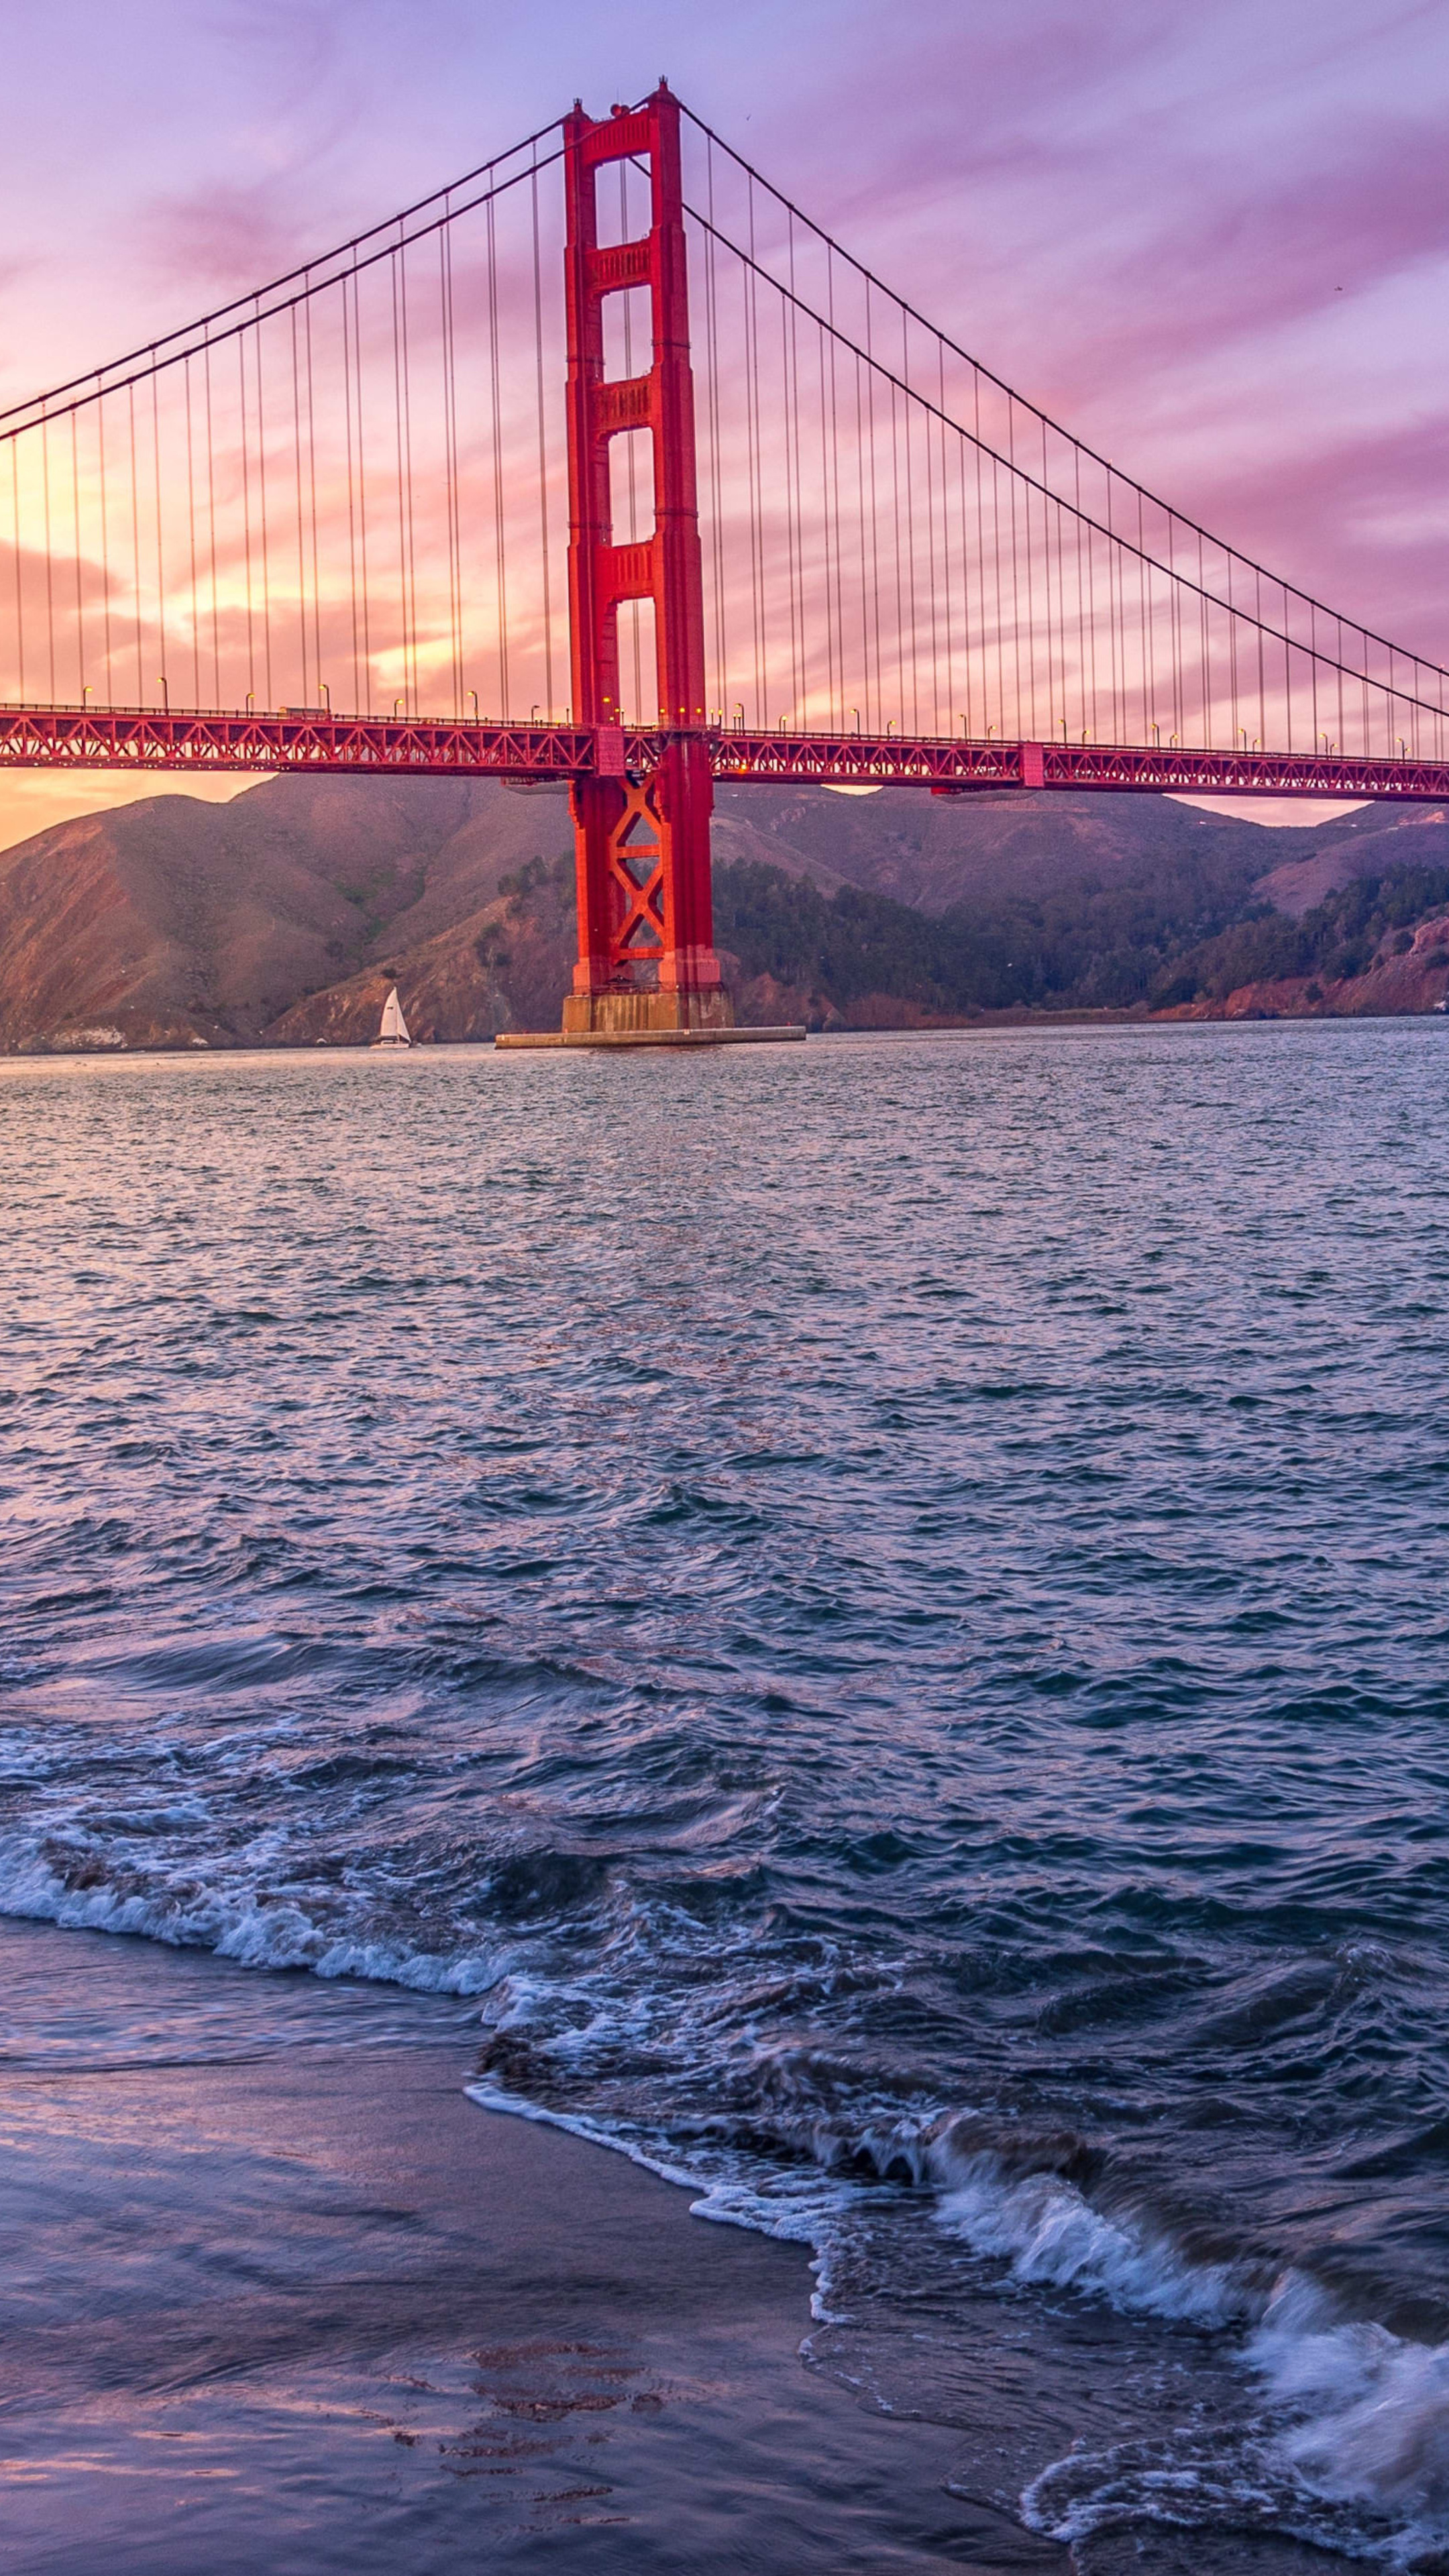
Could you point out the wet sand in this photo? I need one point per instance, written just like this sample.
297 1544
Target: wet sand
278 2296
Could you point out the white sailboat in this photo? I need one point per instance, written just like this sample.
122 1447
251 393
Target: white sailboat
394 1029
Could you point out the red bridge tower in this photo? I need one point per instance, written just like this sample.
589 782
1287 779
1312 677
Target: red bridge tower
646 937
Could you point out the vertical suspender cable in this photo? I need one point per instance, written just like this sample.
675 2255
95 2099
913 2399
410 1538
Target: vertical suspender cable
966 639
211 528
981 560
1086 622
834 640
505 708
135 542
790 585
450 457
833 500
312 489
1046 577
160 540
361 496
874 525
834 692
1287 675
1204 650
312 486
1018 726
301 529
105 542
191 533
19 584
941 450
1032 621
80 630
912 623
411 586
799 675
901 630
1233 656
865 523
246 515
757 504
402 546
1147 616
49 552
351 492
262 502
543 532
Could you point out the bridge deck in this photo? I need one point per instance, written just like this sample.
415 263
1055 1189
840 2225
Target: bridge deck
144 741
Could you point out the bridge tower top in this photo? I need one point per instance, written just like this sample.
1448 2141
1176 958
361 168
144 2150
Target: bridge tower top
666 566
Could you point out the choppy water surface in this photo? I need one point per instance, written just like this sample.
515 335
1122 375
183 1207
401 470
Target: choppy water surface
880 1607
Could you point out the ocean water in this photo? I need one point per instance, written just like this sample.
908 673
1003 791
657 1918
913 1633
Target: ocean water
874 1615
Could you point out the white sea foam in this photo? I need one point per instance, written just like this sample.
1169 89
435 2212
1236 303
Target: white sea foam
236 1926
1350 2451
1373 2409
1049 2233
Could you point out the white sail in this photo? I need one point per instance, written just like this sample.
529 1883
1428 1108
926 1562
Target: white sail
394 1029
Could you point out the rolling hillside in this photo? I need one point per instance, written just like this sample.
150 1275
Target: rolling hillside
281 917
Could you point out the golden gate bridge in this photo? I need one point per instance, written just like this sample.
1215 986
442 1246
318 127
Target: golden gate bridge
364 517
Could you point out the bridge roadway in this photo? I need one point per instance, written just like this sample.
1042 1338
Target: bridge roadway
143 740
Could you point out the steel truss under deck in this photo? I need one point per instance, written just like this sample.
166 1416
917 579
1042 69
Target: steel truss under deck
141 741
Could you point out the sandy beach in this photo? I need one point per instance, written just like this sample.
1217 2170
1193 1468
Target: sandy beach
282 2297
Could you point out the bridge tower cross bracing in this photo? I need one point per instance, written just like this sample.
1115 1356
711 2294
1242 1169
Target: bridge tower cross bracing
646 942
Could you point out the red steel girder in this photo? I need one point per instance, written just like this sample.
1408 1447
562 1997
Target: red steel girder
137 739
950 765
140 740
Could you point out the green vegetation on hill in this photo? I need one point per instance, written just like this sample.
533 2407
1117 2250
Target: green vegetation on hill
1337 939
1085 946
846 945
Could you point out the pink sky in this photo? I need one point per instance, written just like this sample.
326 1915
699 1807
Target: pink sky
1212 241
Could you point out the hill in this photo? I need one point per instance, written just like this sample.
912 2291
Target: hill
172 922
939 852
281 917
